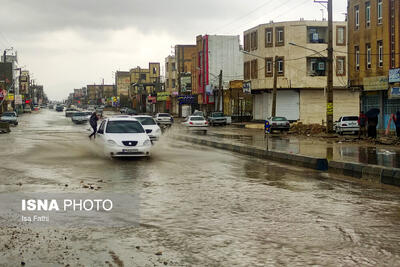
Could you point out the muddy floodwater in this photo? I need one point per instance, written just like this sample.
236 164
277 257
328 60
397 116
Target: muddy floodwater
198 206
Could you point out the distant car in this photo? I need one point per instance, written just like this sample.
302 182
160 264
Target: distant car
99 110
217 118
123 137
164 119
10 117
347 124
59 108
123 110
27 110
51 106
198 113
79 117
150 126
69 112
279 124
196 123
36 108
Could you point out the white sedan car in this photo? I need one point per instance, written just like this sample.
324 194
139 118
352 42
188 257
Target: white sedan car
123 136
347 124
150 126
196 123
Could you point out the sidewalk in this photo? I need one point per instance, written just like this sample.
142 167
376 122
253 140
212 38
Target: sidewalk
344 148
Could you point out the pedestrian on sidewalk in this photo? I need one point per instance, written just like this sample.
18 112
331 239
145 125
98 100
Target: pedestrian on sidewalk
397 123
93 122
362 123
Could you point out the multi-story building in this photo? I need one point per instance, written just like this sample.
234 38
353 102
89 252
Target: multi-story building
145 83
184 61
216 53
374 51
299 50
100 94
171 78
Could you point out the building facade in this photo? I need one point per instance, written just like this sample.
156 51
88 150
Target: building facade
298 50
171 85
216 53
374 51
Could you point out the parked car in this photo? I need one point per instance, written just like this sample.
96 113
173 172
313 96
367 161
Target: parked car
123 137
27 109
279 124
69 112
36 108
59 108
198 113
10 117
217 118
51 106
196 123
164 119
347 124
79 117
150 126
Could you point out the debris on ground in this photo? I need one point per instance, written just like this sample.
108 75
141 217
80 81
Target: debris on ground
307 129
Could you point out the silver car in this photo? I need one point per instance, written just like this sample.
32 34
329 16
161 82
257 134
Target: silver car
10 117
279 124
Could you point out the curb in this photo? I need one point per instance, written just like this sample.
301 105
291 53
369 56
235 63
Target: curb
373 173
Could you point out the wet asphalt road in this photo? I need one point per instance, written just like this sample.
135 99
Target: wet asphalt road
198 206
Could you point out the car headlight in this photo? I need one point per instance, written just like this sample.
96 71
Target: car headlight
111 142
147 143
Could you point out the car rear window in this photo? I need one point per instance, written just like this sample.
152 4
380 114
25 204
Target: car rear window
217 114
79 114
197 118
146 120
351 118
279 119
163 115
9 114
124 127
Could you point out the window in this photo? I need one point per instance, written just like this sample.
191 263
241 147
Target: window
340 35
269 39
280 66
340 66
124 127
173 67
269 67
154 70
357 54
254 41
247 42
357 17
254 69
280 36
143 76
317 35
380 53
379 11
316 66
367 14
368 49
247 70
173 83
167 83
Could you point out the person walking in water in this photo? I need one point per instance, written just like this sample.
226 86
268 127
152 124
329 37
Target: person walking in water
93 122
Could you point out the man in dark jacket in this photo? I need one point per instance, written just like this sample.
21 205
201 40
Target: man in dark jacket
397 123
93 122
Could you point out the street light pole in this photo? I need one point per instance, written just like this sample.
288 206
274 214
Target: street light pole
274 92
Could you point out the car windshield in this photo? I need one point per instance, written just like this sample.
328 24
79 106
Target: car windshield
163 115
279 119
218 114
9 114
197 118
124 127
351 118
146 120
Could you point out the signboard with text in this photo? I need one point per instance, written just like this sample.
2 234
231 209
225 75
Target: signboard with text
394 75
186 84
247 87
376 83
163 96
394 93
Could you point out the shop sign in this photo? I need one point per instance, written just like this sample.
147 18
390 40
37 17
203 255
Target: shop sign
10 97
163 96
394 75
186 84
187 99
376 83
247 87
18 100
3 94
152 99
394 92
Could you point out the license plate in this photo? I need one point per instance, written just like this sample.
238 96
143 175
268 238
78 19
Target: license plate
130 150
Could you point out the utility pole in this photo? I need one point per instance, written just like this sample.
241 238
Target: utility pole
329 88
220 101
4 55
275 85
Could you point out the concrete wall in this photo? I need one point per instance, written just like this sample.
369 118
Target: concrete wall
313 105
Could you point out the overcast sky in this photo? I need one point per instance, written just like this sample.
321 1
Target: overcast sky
68 44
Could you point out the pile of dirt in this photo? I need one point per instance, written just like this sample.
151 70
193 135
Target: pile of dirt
307 129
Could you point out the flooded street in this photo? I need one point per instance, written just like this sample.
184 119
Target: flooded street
198 206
